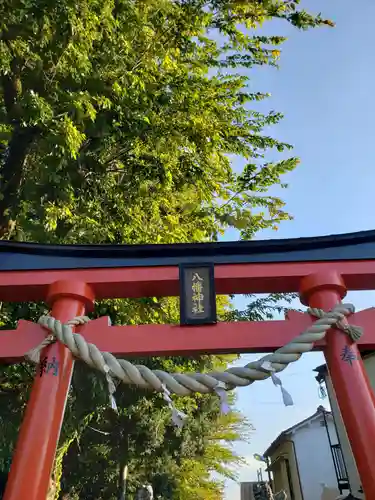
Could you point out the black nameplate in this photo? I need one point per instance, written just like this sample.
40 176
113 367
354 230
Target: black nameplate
197 294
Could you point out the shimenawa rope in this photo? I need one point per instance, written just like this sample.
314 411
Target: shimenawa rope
184 384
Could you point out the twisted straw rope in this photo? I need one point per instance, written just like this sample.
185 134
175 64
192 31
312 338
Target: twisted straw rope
184 384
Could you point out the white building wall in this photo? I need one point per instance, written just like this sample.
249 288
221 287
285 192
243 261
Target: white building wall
350 464
314 457
354 480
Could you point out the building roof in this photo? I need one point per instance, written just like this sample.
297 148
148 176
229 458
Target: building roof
284 434
322 372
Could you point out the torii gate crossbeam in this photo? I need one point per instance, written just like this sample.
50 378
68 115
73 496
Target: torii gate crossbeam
174 340
69 278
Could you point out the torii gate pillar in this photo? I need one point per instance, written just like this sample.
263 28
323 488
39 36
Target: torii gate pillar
354 394
40 429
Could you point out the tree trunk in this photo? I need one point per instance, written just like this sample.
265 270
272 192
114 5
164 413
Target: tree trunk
14 156
11 173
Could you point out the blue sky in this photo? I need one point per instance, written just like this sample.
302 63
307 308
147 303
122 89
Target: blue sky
325 89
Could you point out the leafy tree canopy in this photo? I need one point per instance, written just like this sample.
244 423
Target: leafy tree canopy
117 119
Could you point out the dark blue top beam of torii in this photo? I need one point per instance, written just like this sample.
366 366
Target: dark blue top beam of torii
15 256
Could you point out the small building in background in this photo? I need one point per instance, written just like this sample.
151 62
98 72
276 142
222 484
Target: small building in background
303 459
349 462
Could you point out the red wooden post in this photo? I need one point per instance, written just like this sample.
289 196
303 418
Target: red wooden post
33 459
350 381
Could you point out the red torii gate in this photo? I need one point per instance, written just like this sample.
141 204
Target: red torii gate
69 278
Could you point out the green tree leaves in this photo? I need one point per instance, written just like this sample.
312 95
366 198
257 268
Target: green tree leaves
129 96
